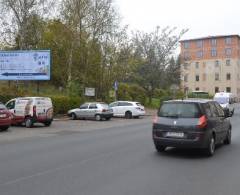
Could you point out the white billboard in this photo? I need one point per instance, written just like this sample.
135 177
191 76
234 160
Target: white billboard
25 65
89 92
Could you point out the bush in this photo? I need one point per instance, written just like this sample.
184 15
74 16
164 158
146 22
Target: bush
62 104
131 93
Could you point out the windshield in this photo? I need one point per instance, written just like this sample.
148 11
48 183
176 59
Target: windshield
182 110
222 100
2 107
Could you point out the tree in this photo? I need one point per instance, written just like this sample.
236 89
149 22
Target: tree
173 72
20 18
155 49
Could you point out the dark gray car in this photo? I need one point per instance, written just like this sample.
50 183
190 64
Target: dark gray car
191 124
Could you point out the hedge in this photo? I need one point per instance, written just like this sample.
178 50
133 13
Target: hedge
61 104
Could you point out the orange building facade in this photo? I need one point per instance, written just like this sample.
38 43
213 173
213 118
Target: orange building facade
211 64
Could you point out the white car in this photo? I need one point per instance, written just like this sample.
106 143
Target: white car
127 109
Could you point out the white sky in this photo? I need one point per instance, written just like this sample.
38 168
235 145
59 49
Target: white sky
201 17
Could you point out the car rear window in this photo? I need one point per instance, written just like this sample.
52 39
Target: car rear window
179 110
139 104
105 106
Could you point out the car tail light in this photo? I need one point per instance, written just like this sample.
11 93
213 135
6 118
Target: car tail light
104 110
155 119
34 110
202 122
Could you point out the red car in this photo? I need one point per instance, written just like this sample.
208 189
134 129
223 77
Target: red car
5 118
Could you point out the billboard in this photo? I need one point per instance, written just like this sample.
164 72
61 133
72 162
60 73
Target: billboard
25 65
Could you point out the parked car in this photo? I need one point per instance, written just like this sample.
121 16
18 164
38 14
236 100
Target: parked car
91 110
191 124
226 100
30 110
127 109
5 118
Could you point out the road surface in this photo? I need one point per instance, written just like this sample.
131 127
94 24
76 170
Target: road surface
116 159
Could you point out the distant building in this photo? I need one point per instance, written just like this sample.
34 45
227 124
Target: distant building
211 64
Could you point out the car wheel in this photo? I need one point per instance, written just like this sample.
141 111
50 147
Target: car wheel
48 123
128 115
228 139
160 148
98 117
73 116
28 123
211 147
5 128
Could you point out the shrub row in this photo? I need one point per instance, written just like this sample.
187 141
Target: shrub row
61 104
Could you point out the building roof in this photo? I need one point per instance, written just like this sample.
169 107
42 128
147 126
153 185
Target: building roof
211 37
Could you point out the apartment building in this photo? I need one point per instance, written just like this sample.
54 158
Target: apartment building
211 64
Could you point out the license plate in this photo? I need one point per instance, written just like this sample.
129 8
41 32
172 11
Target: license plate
3 115
175 134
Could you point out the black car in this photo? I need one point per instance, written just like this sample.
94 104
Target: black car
191 124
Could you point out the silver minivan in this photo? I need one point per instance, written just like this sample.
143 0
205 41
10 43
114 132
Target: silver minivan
92 110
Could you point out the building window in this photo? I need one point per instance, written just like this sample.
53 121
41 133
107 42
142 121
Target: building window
216 64
197 88
186 56
217 77
204 77
200 44
214 42
199 54
228 89
186 78
216 89
186 45
197 77
228 62
228 52
213 52
197 65
228 40
228 76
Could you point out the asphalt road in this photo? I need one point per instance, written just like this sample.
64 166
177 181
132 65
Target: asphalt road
115 160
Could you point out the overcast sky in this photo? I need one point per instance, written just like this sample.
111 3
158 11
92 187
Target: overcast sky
201 17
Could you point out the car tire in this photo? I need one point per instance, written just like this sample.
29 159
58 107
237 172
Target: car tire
73 116
98 117
160 148
128 115
48 123
4 128
29 122
209 151
228 139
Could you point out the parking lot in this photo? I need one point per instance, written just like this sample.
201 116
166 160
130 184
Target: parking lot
65 126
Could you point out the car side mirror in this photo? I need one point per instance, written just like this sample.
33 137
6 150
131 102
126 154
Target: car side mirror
226 112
